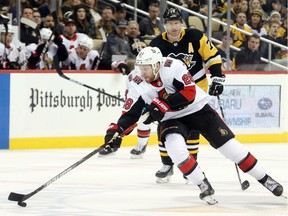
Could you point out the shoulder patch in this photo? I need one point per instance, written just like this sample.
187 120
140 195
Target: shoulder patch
168 63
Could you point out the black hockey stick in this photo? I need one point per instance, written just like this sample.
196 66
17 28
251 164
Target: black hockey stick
245 184
20 198
61 74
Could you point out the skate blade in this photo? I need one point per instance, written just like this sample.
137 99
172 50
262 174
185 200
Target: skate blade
133 156
163 180
107 155
210 200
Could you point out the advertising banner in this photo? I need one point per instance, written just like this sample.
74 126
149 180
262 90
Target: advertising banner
250 106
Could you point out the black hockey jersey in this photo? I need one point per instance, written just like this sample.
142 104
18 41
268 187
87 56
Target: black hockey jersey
195 50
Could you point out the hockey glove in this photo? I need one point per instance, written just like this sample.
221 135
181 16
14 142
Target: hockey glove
157 110
216 87
58 40
112 137
121 66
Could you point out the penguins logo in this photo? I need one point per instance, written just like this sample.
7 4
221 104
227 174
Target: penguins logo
186 58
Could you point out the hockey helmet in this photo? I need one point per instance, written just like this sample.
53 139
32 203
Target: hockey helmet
45 33
149 56
172 14
3 29
86 42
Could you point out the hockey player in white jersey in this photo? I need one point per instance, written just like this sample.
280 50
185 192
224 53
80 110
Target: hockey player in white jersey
51 44
165 87
12 54
83 57
71 36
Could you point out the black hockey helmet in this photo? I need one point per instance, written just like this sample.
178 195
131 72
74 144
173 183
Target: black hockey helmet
172 14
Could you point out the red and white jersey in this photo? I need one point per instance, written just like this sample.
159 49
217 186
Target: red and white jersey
73 42
13 53
172 70
46 62
81 64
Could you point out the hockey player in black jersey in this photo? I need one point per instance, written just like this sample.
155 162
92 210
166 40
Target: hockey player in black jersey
195 50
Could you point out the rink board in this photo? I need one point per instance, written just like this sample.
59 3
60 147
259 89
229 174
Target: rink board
42 110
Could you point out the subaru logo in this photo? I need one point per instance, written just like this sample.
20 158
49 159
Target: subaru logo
264 103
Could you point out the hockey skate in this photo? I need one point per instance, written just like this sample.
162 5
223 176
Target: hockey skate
272 185
107 150
138 151
207 192
164 174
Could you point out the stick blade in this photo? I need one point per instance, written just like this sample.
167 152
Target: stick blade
15 197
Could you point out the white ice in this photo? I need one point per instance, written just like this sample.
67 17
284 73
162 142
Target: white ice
120 186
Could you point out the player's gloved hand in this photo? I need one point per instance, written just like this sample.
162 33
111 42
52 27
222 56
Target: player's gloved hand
157 110
112 137
216 87
121 66
13 66
58 40
39 49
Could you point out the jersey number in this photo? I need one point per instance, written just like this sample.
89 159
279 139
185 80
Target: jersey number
187 79
128 104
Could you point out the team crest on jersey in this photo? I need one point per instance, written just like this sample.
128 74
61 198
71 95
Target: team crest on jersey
223 132
186 58
137 79
159 83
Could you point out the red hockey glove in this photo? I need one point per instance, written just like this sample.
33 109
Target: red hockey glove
157 110
112 137
216 87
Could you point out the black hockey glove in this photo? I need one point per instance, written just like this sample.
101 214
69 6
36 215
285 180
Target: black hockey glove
121 66
216 87
157 110
58 40
13 66
112 137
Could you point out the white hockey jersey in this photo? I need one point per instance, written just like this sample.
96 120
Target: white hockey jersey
73 42
81 64
172 69
13 53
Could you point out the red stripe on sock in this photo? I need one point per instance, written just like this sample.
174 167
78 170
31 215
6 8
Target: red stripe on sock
188 165
247 163
142 133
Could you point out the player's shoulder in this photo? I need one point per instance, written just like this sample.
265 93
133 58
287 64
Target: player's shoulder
193 34
173 64
135 76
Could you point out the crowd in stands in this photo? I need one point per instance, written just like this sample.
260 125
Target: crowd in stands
94 34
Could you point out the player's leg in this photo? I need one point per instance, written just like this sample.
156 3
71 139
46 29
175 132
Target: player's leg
173 134
143 134
222 138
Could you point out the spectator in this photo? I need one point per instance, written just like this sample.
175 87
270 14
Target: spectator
93 6
49 22
68 5
256 5
240 39
37 17
84 21
12 54
236 8
120 12
117 47
249 58
222 49
150 25
245 7
106 22
256 23
135 40
272 35
276 16
27 34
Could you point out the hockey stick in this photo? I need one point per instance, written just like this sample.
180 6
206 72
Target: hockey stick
61 74
29 22
97 60
20 198
245 184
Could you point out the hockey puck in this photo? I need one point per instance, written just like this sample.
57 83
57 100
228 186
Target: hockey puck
22 204
245 185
